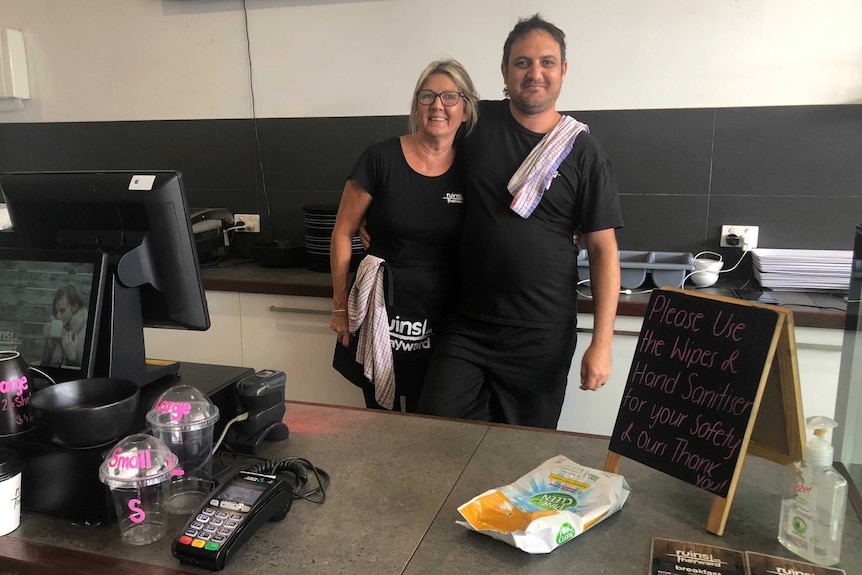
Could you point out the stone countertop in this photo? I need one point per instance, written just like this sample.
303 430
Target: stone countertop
396 483
809 309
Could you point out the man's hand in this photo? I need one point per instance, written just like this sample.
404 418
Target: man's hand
595 367
605 285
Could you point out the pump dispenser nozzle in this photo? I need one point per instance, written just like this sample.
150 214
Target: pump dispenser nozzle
818 450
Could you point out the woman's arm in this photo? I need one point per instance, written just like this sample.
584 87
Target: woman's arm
354 203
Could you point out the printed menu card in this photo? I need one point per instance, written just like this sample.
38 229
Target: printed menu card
759 564
671 557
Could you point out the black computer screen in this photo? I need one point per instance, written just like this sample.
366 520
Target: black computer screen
50 305
140 221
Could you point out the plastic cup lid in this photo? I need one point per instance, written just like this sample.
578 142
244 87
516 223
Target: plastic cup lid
137 461
182 408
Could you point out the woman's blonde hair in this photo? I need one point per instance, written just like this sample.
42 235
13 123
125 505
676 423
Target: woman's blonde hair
459 75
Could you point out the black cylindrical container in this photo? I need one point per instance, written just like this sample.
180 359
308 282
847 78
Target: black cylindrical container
16 415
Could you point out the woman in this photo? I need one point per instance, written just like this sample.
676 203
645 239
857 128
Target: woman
65 335
408 189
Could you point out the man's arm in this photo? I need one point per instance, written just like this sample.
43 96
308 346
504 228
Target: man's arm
605 284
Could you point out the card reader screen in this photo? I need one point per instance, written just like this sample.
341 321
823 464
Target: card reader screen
242 492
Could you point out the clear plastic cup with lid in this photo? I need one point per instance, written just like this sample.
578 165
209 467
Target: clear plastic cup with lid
184 418
138 471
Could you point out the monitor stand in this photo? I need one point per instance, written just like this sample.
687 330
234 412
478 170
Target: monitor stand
120 340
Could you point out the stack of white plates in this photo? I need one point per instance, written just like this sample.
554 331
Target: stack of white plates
319 223
803 270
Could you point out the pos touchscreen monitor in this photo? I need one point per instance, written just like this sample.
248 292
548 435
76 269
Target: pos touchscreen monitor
139 223
50 305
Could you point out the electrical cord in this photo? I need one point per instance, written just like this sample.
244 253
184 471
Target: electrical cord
300 468
238 418
234 263
228 242
813 306
627 291
624 291
739 261
258 150
580 293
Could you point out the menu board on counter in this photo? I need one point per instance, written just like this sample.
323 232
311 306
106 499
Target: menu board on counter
700 372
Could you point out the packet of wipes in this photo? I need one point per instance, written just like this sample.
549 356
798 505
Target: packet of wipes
549 506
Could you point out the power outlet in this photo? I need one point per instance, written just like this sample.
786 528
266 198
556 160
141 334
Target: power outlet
251 221
747 235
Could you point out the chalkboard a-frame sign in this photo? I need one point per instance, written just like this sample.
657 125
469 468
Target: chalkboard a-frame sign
712 379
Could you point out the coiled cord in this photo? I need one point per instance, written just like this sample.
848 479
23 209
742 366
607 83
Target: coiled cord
300 469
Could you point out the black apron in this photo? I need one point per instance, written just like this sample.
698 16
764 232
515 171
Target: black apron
416 299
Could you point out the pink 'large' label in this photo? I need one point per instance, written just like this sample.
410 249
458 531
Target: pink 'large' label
15 395
175 408
17 386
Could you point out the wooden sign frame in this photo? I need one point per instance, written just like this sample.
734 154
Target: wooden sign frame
779 433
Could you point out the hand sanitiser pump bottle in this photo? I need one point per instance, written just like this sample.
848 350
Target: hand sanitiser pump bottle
814 500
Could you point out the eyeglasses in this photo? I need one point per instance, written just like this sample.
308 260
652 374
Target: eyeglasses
427 97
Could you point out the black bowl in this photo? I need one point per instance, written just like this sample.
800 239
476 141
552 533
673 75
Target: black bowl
86 412
280 254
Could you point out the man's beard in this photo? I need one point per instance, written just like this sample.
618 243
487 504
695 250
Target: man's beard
528 105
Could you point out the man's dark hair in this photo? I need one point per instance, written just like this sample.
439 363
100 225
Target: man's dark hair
527 25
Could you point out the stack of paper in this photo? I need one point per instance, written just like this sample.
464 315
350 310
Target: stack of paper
803 270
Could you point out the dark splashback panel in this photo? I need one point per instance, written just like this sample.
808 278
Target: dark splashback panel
794 171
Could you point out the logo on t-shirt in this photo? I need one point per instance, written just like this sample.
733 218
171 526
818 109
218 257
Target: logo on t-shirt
453 198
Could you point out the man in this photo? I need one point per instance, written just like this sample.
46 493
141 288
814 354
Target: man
505 355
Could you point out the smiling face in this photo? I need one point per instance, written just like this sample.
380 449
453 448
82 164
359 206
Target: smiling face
534 73
435 119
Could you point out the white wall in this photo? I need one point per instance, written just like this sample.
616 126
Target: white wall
94 60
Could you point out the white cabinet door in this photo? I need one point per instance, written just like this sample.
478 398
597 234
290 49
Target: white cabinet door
818 353
596 411
221 344
291 334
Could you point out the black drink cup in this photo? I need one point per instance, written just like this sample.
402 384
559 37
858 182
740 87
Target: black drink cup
16 415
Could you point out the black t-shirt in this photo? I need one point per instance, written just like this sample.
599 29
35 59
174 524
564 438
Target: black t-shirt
414 220
415 223
520 271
